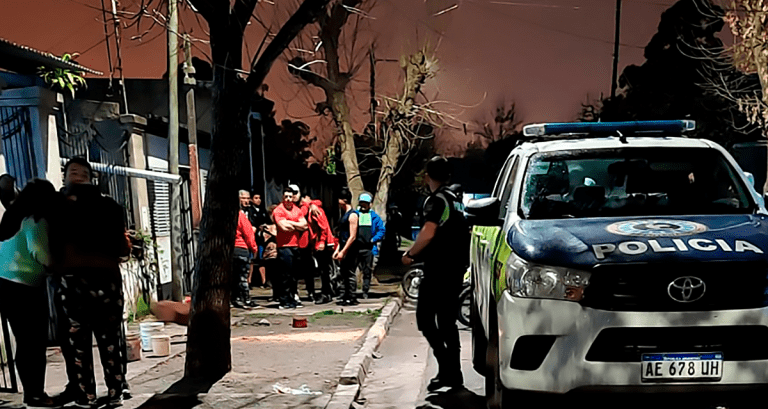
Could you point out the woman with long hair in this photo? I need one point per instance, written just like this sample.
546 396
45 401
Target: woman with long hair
25 259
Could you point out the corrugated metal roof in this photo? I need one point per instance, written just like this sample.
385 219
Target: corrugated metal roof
9 49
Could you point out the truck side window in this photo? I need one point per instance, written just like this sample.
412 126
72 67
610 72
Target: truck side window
507 187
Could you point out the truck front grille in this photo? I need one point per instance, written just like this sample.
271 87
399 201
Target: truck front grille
737 343
645 287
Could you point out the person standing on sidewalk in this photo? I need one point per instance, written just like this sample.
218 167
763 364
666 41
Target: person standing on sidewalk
91 289
305 266
439 245
267 239
370 234
324 247
347 250
257 215
290 222
245 247
25 259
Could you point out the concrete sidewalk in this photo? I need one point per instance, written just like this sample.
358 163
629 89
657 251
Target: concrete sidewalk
262 356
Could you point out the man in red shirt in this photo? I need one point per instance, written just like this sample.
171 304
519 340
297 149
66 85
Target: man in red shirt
245 245
291 223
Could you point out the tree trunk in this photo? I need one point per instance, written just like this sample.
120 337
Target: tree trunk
417 70
346 135
208 338
388 168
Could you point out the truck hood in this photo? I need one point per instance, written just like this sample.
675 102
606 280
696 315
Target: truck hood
583 243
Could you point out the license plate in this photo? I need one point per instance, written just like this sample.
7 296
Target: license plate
682 367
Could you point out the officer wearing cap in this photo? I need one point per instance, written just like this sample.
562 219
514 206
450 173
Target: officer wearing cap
439 246
370 232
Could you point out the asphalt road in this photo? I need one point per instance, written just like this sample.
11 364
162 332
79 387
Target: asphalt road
399 378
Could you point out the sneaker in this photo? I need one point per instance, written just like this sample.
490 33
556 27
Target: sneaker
365 296
323 299
70 394
353 301
287 307
85 403
43 401
127 394
115 402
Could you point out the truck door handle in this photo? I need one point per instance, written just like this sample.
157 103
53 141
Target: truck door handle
478 234
484 242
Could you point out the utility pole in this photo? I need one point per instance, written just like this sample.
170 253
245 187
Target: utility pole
194 168
615 78
177 281
119 53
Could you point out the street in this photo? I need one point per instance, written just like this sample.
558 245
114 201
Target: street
399 380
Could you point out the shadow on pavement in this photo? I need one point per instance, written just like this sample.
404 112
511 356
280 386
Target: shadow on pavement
454 398
181 395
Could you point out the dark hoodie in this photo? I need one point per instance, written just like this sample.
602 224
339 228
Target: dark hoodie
94 229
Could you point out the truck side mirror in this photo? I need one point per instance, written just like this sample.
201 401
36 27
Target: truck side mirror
750 178
484 212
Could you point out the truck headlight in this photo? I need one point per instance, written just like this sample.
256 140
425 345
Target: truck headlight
528 280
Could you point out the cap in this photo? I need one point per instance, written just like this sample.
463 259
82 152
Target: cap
365 197
295 188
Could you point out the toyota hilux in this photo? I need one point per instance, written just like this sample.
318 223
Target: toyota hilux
619 256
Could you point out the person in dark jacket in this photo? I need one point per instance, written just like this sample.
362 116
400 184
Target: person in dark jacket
25 262
91 290
442 252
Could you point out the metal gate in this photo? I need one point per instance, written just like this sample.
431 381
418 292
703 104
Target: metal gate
16 132
7 364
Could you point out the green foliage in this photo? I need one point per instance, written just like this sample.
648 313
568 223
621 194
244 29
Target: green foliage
62 79
329 161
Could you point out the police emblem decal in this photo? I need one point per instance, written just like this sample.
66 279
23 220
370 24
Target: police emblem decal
656 228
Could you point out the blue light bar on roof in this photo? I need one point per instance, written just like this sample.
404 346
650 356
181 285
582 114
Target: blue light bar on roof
676 126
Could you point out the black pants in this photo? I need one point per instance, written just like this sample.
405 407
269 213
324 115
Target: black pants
348 267
365 261
93 302
288 257
307 270
325 265
26 309
240 266
62 335
436 314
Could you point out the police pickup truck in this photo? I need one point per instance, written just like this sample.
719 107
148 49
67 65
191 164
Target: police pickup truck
619 256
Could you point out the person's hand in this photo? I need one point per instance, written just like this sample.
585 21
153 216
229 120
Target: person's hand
320 246
407 259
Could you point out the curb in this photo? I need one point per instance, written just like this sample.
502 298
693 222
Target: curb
356 370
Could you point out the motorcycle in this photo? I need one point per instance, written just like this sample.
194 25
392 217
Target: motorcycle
412 281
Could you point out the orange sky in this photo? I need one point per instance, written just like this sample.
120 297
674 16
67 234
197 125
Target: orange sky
546 55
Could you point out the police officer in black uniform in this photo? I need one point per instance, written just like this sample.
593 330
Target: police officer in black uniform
441 246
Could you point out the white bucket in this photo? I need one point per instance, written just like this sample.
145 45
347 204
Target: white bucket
147 330
161 345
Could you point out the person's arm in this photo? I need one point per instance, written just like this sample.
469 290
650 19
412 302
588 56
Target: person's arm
281 222
248 235
436 213
301 225
353 221
425 236
36 236
378 228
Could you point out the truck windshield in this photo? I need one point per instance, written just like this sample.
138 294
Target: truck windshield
632 182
